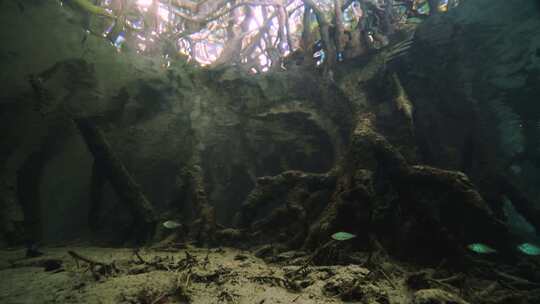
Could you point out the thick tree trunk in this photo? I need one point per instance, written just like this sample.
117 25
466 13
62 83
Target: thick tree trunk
433 6
387 20
340 29
522 204
324 28
97 183
307 37
203 228
123 183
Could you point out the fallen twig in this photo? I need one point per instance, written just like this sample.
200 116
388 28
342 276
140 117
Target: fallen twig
138 256
388 278
516 280
97 268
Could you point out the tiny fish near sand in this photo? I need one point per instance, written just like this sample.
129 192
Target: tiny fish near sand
343 236
481 248
529 249
171 224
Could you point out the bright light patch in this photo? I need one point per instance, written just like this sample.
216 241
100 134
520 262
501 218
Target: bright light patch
206 53
263 60
253 25
144 3
163 13
257 19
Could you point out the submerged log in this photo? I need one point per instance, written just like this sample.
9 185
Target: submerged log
123 183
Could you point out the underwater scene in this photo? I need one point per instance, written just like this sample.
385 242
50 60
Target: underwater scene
270 151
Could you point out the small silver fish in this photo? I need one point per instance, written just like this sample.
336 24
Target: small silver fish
529 249
481 248
171 224
343 236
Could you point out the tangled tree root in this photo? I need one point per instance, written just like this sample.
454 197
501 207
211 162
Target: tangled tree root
375 194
